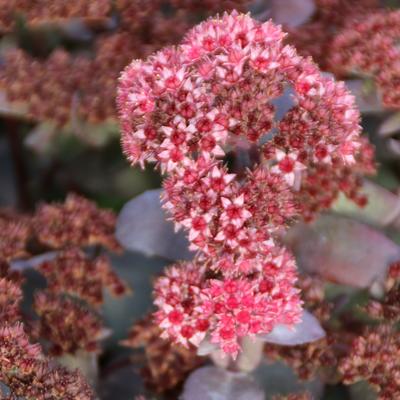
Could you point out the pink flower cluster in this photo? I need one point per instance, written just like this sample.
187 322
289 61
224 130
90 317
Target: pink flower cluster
189 109
370 47
191 305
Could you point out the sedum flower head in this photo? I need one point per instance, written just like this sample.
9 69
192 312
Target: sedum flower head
369 47
29 374
76 222
67 325
74 273
188 109
166 364
10 294
193 305
24 369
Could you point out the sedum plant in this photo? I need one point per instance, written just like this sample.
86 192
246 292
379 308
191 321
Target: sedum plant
283 281
186 109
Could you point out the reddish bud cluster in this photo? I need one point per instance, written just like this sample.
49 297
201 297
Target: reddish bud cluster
352 38
10 294
49 11
374 357
75 285
29 374
354 350
369 46
14 234
67 325
166 364
309 360
314 37
61 88
74 273
23 367
76 222
75 281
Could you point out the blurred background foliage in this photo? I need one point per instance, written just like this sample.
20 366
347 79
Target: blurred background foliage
45 155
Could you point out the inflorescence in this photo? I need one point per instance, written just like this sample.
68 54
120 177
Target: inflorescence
191 109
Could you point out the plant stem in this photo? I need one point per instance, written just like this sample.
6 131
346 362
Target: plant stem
247 360
20 172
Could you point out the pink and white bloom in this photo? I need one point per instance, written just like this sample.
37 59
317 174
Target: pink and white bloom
190 107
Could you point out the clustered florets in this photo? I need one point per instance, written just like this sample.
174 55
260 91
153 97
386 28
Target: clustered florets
74 273
355 38
369 47
354 349
187 108
242 305
166 364
374 357
77 222
24 369
315 37
68 309
59 87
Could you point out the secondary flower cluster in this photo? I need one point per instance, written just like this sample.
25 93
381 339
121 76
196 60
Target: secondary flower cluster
355 38
68 308
50 11
369 46
314 38
24 369
60 87
193 108
374 357
77 222
192 305
166 364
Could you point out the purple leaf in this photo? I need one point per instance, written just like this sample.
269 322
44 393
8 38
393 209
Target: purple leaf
394 146
367 101
361 390
284 103
142 226
279 379
307 331
248 359
11 110
120 382
206 347
342 250
33 262
390 125
41 136
212 383
382 209
76 29
291 13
